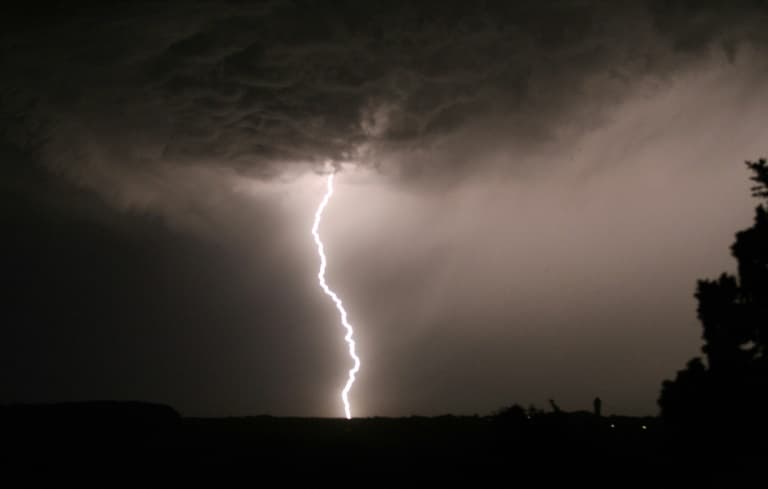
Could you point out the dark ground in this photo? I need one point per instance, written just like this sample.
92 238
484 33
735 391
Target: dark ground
110 444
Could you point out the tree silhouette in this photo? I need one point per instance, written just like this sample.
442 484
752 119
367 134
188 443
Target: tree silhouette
730 392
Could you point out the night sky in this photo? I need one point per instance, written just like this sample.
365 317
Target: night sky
526 195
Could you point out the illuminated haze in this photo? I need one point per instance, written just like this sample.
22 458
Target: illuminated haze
525 197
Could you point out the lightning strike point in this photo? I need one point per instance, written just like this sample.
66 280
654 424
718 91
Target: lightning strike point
330 293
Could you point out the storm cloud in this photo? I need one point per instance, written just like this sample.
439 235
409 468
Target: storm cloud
263 88
527 192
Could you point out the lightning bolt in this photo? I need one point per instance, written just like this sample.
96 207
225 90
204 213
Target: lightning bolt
330 293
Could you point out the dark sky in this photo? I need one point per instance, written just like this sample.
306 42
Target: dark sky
527 193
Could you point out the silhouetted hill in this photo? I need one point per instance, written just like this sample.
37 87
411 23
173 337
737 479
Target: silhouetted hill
149 445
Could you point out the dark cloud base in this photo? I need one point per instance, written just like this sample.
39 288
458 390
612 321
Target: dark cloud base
258 86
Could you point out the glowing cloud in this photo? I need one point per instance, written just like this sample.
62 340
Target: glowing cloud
330 293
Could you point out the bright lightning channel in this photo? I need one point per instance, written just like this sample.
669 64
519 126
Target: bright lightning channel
342 312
